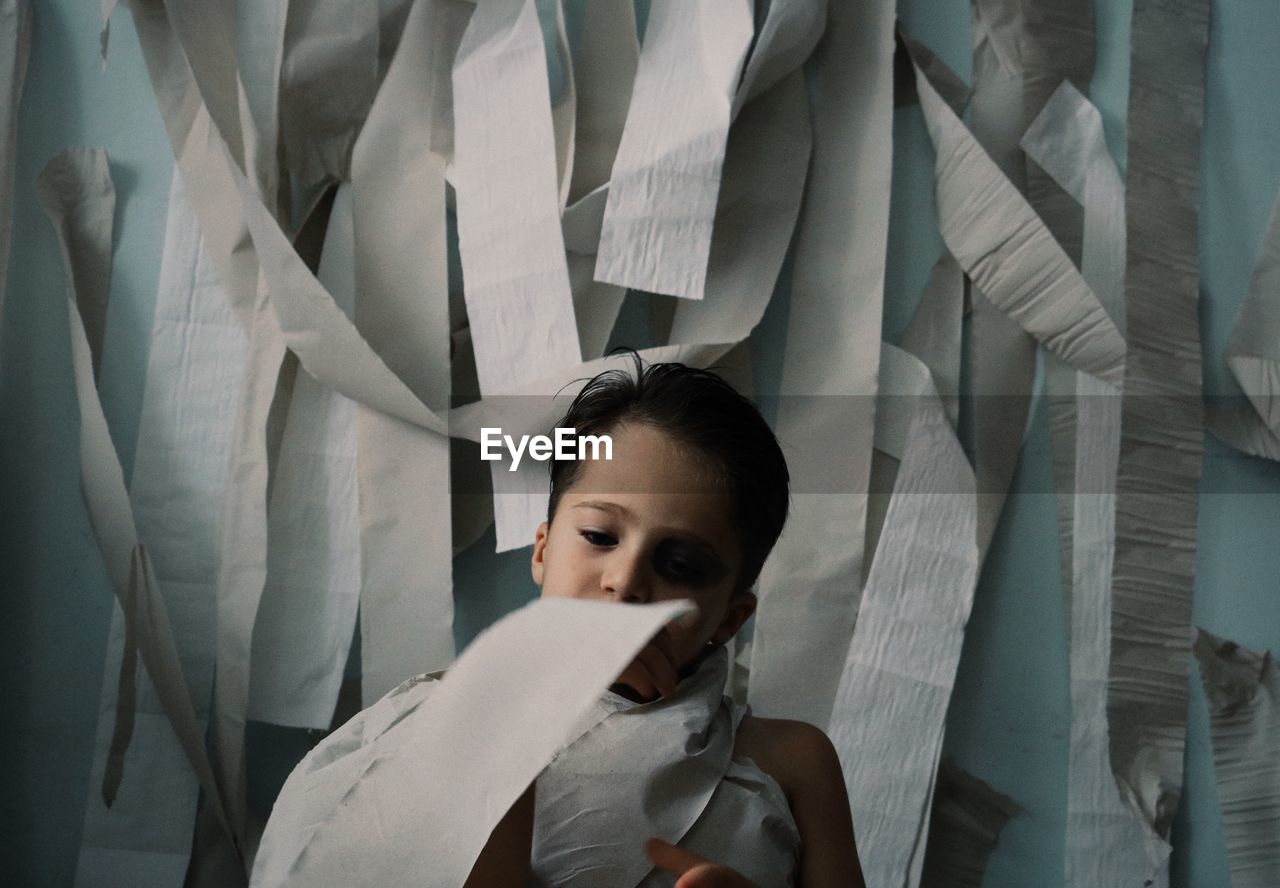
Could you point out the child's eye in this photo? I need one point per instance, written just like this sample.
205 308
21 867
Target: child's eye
597 538
683 571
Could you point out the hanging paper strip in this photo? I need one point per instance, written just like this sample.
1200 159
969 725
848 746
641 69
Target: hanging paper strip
1162 429
662 192
902 660
143 837
810 587
1105 844
1243 688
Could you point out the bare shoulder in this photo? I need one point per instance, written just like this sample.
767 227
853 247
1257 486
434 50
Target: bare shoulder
794 753
804 762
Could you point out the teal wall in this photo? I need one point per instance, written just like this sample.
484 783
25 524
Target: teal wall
1008 720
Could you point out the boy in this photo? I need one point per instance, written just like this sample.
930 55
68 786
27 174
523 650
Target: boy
689 506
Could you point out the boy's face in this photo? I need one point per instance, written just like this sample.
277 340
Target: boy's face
647 526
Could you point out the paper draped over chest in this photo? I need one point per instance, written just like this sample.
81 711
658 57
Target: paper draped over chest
666 769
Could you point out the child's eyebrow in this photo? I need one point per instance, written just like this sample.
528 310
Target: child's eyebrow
692 537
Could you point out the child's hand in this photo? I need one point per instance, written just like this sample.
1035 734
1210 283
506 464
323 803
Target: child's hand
653 672
694 872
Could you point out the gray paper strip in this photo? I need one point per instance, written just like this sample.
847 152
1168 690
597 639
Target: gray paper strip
1162 431
968 817
1243 687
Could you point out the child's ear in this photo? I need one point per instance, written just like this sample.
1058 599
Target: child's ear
741 606
537 564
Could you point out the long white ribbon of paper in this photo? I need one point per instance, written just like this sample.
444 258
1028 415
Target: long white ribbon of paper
902 660
385 811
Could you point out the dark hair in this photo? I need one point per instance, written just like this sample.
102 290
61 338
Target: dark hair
705 414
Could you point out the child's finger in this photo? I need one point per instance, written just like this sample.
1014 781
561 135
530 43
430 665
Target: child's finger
661 669
671 858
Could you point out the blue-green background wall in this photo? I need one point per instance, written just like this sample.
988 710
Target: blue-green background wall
1008 718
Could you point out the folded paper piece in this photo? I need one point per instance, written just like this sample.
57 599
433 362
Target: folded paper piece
662 192
1105 843
810 587
1243 688
1253 354
1162 430
15 50
375 803
906 645
141 802
1013 258
964 828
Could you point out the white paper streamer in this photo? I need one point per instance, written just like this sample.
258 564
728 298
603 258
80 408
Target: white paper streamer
179 469
517 285
902 659
304 624
662 193
809 588
376 802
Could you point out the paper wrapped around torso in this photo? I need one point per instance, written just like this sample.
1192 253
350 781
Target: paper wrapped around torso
636 770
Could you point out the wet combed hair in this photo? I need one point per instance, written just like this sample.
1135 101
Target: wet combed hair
703 413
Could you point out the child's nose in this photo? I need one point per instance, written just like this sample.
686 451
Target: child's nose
625 579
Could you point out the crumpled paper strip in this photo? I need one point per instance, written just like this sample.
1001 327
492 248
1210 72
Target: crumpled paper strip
144 837
1243 688
1162 429
964 828
386 816
810 586
1013 258
1105 844
1001 354
657 226
15 49
906 645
